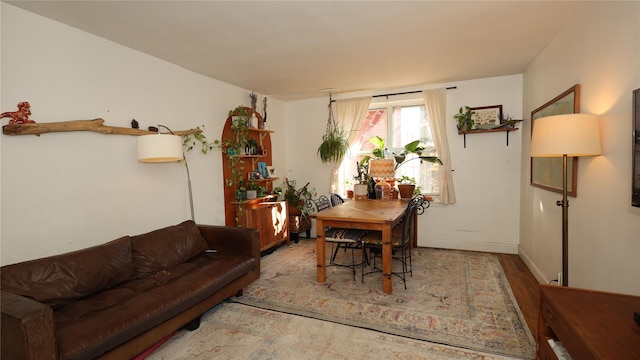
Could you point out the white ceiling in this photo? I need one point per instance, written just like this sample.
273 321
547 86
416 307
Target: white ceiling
291 49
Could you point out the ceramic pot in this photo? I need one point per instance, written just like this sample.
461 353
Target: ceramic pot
360 191
252 194
406 191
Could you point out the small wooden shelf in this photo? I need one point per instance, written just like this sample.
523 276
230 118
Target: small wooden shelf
480 131
257 200
249 156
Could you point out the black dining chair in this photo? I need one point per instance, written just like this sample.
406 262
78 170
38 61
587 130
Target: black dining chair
340 238
336 199
400 241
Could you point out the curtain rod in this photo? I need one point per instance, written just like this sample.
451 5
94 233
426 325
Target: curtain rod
406 92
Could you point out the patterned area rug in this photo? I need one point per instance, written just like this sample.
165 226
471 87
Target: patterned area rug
455 298
236 331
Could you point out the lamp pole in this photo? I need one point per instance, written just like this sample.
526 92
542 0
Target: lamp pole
186 164
565 224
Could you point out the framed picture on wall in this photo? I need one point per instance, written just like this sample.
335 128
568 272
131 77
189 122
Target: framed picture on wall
272 172
546 173
486 117
262 169
635 194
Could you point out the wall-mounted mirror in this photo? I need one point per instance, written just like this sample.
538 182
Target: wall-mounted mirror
635 197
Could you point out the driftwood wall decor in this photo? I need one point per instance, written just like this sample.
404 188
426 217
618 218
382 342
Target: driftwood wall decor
95 125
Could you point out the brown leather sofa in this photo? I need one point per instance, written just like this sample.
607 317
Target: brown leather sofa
115 300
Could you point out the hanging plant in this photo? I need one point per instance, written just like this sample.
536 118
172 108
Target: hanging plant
334 142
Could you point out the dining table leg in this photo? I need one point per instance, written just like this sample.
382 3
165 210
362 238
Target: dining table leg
322 269
387 286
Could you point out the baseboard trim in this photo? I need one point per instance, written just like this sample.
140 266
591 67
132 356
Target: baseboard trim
461 245
532 267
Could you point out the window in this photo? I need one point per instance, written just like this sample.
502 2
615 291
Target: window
398 124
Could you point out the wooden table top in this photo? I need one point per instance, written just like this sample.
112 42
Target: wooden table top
366 211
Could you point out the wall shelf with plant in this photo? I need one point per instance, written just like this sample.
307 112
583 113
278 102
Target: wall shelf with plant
465 124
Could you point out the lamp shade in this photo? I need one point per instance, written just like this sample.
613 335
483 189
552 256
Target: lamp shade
382 168
159 148
569 134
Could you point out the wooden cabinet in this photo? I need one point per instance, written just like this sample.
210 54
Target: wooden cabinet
271 218
263 213
588 324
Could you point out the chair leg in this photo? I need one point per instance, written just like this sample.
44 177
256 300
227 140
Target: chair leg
353 264
334 253
308 233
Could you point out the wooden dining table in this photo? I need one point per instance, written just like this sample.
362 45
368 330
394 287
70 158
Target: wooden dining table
380 215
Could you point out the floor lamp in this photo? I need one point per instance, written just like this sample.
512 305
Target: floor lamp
164 148
565 136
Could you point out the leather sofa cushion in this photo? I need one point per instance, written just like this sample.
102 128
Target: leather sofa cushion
61 279
165 248
94 325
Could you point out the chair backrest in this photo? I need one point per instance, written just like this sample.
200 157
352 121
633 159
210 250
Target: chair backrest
416 204
316 205
322 202
336 199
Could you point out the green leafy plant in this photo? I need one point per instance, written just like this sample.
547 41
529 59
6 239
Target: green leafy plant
413 147
296 197
464 118
405 180
334 142
241 111
190 140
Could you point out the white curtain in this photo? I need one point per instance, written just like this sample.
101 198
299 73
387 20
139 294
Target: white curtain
349 115
435 102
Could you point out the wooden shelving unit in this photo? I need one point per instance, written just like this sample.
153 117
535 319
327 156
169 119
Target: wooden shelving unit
264 213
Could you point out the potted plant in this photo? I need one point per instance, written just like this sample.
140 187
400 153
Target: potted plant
348 189
241 193
334 142
240 116
362 185
252 190
296 197
406 186
278 192
465 122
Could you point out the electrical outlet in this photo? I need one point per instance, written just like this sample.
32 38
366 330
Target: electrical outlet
560 278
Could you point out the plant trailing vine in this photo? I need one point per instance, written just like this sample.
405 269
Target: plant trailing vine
188 143
334 142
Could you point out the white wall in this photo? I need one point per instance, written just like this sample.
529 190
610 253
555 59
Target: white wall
600 50
487 172
64 191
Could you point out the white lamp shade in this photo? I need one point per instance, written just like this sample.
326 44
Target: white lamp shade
159 148
570 134
382 168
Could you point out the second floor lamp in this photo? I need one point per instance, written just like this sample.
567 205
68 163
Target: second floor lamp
565 136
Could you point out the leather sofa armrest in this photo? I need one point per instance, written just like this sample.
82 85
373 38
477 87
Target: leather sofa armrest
232 239
27 328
